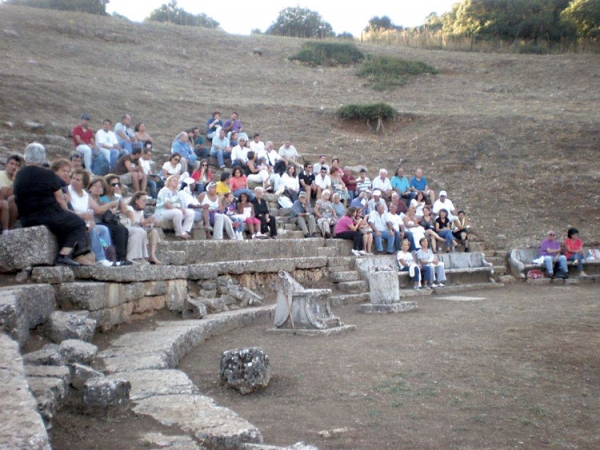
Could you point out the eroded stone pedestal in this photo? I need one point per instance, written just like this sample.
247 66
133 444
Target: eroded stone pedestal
384 290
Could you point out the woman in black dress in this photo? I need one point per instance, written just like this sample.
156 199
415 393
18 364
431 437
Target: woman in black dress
261 211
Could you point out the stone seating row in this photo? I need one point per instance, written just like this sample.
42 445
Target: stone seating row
521 262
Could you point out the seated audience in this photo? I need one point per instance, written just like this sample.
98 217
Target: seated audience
338 206
197 142
258 147
407 263
239 182
573 249
400 183
268 224
83 138
321 164
107 143
245 208
125 135
169 206
382 229
272 155
130 170
306 179
551 251
237 222
223 185
290 183
153 179
40 201
363 183
258 171
289 154
419 183
138 204
400 205
302 213
383 183
233 124
430 266
181 145
428 223
418 203
202 175
9 212
350 182
214 217
444 203
347 227
444 230
325 214
412 226
141 136
376 200
337 184
461 229
213 124
322 182
220 148
239 153
173 167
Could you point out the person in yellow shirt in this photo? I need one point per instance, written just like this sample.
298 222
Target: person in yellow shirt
223 184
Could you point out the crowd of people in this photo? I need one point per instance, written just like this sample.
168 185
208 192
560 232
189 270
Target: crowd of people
83 204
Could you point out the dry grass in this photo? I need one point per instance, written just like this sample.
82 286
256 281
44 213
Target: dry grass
512 137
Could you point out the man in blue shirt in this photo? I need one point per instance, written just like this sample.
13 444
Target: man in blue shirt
419 183
400 183
220 148
213 123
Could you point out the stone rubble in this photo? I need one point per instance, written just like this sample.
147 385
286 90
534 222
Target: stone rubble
63 325
80 373
103 393
246 370
76 351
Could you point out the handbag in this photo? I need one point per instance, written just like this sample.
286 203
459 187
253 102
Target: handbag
109 217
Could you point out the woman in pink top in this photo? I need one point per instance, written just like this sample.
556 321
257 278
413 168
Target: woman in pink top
574 249
347 228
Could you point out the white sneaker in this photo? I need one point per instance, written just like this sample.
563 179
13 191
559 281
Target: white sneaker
362 253
240 236
105 263
442 285
434 285
355 252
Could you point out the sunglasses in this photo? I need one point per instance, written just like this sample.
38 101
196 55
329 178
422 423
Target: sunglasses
176 159
115 184
203 165
551 234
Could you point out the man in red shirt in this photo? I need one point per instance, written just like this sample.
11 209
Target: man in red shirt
83 138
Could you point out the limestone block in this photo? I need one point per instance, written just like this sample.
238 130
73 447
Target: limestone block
384 286
52 275
148 383
246 370
119 293
102 393
49 355
81 373
202 272
194 309
209 285
106 319
61 372
148 304
76 351
15 254
129 274
13 319
152 288
176 294
214 305
82 295
21 426
64 325
50 394
207 294
215 426
159 440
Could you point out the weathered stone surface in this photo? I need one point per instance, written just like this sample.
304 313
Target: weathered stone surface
102 393
209 285
16 255
25 307
108 318
148 304
159 440
296 446
81 373
176 294
212 425
82 295
50 393
214 305
152 288
384 286
64 325
61 372
76 351
52 275
148 383
386 308
49 355
194 309
202 272
207 294
21 426
132 273
246 370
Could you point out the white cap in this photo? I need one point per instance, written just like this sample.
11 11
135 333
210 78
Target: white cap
443 194
377 192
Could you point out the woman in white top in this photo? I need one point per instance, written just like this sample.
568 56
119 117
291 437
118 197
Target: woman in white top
136 207
430 264
258 171
290 182
169 206
411 224
418 203
80 201
407 263
212 213
173 167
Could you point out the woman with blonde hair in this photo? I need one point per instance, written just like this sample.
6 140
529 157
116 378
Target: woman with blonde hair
136 207
169 206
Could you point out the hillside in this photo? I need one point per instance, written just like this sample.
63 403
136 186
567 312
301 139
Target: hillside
513 138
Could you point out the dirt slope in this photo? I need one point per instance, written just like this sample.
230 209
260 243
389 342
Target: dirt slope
513 138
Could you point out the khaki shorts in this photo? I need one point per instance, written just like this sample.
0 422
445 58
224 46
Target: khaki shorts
126 179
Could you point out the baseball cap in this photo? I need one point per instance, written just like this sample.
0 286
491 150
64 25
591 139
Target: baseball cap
85 117
443 194
377 192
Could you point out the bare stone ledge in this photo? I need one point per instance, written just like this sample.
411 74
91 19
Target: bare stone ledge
136 272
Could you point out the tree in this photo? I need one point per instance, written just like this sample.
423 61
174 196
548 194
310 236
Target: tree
584 15
87 6
381 24
433 22
300 22
171 13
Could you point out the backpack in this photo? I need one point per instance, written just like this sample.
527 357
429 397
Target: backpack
100 166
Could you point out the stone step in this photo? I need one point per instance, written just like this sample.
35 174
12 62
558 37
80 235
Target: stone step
451 289
290 227
354 287
413 293
341 261
500 270
287 234
496 260
334 269
350 299
327 251
350 275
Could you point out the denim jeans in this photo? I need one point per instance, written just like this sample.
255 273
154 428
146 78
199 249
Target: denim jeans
219 155
579 258
549 263
417 277
389 237
97 234
447 234
439 270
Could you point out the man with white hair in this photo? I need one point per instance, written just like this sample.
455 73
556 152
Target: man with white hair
383 183
376 200
239 153
444 203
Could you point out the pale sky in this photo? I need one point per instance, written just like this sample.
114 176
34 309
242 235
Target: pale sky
242 16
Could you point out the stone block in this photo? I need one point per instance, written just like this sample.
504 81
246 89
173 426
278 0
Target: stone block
103 393
202 272
82 295
64 325
214 305
159 441
21 425
52 275
120 293
246 370
15 254
148 383
194 309
129 274
177 293
76 351
106 319
25 307
387 308
209 285
49 355
149 304
384 286
152 288
50 394
61 372
207 294
81 373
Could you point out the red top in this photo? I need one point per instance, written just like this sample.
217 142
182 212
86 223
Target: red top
85 136
573 246
237 183
343 225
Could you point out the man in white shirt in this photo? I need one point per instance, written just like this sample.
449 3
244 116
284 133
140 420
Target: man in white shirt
382 229
443 202
322 181
258 147
289 154
239 153
375 201
383 183
272 155
107 144
321 164
124 133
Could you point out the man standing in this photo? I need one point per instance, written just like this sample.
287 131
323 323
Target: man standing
108 144
83 138
550 251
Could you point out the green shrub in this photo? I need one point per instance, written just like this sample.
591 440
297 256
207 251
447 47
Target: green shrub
328 54
532 49
366 113
387 72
